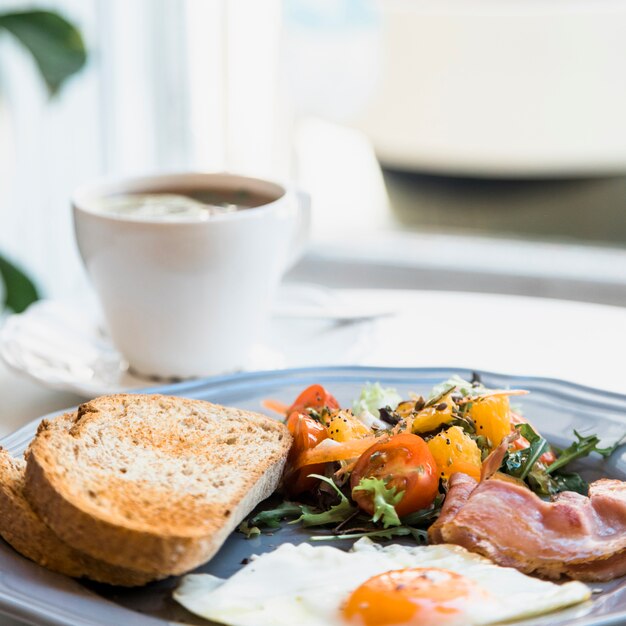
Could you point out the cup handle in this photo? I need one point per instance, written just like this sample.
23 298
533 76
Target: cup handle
301 229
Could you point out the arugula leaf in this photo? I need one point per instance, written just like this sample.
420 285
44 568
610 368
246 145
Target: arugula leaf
424 515
540 483
513 462
248 531
388 533
570 482
383 498
546 485
337 513
581 448
546 481
271 518
527 457
608 451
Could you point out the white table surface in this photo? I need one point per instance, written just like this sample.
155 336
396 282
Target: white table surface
580 342
583 343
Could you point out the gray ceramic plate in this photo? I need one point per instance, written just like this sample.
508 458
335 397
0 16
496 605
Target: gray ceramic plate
33 594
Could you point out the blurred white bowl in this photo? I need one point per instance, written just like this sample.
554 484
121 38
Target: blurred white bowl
511 88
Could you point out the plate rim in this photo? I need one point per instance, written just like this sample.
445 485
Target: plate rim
21 606
609 399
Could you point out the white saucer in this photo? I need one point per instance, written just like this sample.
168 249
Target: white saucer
62 346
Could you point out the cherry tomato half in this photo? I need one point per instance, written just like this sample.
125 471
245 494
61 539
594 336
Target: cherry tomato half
404 462
307 433
313 397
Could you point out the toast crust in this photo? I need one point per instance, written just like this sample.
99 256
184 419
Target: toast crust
25 531
153 483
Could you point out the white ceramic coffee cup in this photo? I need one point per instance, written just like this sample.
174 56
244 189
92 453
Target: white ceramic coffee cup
189 298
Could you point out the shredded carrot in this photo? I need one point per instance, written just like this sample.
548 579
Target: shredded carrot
275 405
346 469
345 450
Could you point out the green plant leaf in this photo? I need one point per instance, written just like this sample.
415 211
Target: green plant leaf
583 446
529 456
337 513
570 482
384 500
56 45
19 290
249 531
271 517
427 515
375 397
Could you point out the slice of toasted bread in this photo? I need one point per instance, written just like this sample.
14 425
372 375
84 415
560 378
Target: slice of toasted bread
24 530
153 483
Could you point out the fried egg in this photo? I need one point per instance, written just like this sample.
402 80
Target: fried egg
373 585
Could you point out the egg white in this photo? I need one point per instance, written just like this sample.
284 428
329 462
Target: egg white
308 585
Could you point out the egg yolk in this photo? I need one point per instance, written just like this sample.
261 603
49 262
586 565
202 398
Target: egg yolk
416 596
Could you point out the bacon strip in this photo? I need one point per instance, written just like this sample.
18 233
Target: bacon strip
576 536
460 488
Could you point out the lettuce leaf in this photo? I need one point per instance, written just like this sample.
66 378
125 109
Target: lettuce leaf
248 531
374 397
464 387
383 498
336 514
271 517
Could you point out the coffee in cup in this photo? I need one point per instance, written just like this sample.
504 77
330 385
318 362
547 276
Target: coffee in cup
186 265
